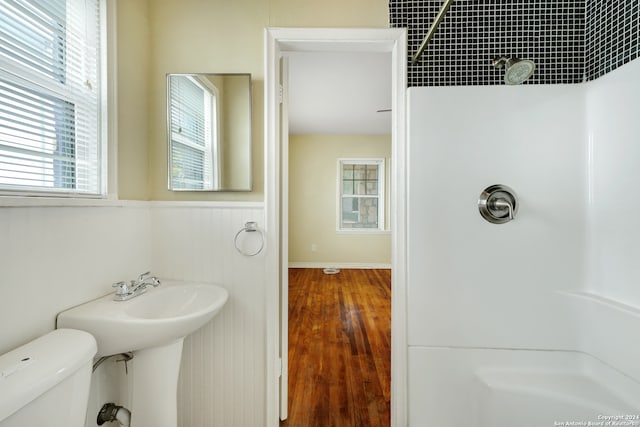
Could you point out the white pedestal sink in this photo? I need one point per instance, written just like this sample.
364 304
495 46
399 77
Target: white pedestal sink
153 326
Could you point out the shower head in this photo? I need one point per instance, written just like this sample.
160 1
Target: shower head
516 70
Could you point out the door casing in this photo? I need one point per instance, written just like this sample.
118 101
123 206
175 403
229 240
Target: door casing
279 41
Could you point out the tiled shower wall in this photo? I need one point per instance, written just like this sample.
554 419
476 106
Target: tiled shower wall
612 35
570 40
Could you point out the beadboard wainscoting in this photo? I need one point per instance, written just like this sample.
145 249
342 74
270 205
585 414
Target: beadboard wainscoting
56 256
222 379
58 253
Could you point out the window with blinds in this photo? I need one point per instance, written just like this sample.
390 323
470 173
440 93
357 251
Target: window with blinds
50 137
193 112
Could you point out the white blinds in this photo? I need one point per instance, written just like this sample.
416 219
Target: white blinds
50 96
191 135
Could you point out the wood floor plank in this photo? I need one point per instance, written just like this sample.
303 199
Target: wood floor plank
339 348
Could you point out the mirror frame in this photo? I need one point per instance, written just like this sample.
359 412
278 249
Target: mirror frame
170 186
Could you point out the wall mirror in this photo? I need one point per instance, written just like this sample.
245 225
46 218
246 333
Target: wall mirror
209 132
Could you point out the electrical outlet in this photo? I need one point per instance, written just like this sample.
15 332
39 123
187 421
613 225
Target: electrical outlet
314 247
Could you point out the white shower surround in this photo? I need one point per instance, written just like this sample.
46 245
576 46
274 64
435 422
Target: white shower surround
553 292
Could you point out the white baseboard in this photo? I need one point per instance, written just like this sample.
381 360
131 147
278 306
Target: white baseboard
343 265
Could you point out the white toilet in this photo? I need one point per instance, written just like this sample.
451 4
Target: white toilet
46 382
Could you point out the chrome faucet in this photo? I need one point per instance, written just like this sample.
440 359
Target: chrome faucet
136 287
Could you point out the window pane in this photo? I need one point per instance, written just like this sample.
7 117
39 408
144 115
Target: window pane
368 212
359 212
372 188
347 171
32 33
37 139
372 172
350 211
347 187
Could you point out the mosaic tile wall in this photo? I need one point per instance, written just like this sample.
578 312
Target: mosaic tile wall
612 35
569 40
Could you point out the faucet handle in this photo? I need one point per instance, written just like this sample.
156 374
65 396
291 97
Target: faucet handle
122 288
500 203
143 276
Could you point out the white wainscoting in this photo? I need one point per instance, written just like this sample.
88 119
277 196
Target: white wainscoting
222 380
62 254
56 254
55 257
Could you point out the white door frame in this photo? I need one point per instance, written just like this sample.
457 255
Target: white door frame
278 41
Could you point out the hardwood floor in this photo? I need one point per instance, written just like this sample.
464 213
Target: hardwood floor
339 348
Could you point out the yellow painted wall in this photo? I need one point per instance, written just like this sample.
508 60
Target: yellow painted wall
215 36
313 200
132 23
329 13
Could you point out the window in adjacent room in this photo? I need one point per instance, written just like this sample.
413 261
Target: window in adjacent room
50 97
361 194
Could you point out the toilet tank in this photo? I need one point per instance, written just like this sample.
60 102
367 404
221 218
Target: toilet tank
46 381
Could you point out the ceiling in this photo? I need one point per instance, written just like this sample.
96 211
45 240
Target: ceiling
339 93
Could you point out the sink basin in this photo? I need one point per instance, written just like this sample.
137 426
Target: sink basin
159 316
152 326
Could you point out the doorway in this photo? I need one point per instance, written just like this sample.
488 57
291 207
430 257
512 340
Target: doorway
277 43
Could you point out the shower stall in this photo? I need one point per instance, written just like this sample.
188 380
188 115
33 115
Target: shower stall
534 321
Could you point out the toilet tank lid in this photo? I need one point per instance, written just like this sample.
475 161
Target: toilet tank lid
30 370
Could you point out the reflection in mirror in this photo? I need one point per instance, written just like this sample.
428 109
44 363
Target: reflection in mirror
209 132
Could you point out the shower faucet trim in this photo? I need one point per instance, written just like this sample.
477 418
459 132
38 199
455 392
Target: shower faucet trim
498 204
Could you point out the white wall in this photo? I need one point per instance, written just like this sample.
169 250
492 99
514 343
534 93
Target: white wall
613 128
610 308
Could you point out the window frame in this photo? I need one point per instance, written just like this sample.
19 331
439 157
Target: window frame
380 163
105 88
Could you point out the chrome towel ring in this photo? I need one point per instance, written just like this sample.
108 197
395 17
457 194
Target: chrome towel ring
249 227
